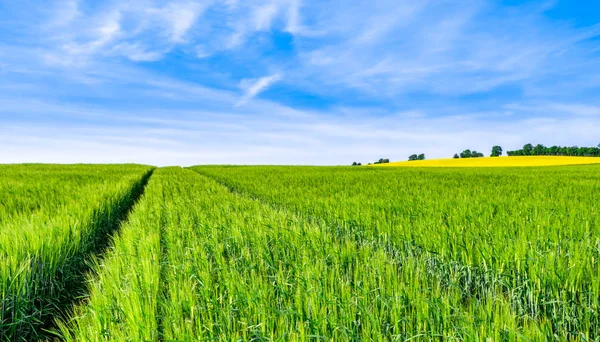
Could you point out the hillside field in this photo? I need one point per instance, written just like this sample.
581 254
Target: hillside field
261 253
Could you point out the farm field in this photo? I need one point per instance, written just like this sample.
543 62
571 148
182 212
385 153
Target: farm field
300 253
52 218
522 247
513 161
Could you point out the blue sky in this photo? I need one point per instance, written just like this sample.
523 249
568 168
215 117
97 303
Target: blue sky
293 81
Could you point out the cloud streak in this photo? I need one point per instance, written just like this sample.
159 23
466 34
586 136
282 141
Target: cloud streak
186 82
254 87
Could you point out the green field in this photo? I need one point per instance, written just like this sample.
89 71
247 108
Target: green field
53 218
299 253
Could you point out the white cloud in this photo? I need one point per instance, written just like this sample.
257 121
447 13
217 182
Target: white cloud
452 48
181 17
136 52
294 21
393 75
140 31
107 29
264 15
243 21
254 87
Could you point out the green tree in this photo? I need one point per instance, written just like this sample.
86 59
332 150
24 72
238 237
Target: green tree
413 157
421 156
456 156
382 161
527 148
475 154
496 151
538 150
466 154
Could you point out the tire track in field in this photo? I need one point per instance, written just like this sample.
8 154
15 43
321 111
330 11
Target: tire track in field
343 232
473 282
163 291
74 288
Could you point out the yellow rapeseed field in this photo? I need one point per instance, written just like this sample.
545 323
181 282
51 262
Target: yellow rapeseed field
498 162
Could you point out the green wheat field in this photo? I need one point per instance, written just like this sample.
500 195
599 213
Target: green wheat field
273 253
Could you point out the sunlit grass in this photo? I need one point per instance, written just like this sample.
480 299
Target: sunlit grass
53 218
198 262
497 162
512 243
338 254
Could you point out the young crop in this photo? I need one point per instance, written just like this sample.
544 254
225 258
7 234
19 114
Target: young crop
53 218
336 253
528 240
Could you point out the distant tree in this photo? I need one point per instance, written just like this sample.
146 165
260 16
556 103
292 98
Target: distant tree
466 154
475 154
527 148
496 151
355 164
413 157
421 156
456 156
359 164
382 161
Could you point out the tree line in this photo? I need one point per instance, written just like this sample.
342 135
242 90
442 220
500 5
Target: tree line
541 150
496 152
527 150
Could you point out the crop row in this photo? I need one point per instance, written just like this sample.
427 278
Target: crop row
303 253
53 219
198 262
528 239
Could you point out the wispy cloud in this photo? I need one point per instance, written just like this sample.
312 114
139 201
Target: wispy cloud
255 86
140 31
180 18
363 79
